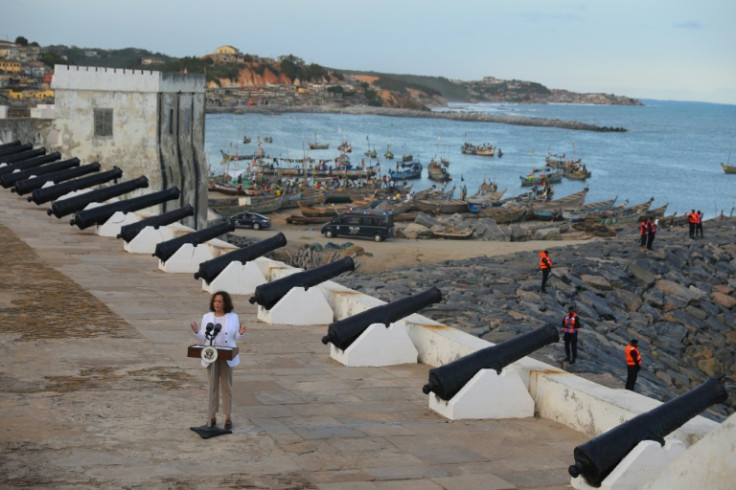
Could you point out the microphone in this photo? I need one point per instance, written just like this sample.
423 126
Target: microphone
208 328
218 327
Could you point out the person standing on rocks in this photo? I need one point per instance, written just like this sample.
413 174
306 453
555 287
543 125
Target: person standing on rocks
692 219
699 225
633 363
651 231
545 265
643 233
570 326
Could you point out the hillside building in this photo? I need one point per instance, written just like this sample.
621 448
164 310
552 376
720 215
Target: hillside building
145 122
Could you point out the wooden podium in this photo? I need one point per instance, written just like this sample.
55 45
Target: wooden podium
224 353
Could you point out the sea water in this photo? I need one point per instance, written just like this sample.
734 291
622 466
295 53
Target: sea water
672 150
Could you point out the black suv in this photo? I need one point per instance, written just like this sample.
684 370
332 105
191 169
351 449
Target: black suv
364 224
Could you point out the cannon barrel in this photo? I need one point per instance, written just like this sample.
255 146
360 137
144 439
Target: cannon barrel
13 149
210 269
46 194
445 381
164 250
69 205
342 333
9 144
595 459
9 180
22 155
31 184
128 232
267 295
30 162
100 214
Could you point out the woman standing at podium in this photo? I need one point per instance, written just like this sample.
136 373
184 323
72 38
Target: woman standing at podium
221 380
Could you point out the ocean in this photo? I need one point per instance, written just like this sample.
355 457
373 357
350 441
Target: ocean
671 151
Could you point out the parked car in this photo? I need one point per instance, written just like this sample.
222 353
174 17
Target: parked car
364 224
248 219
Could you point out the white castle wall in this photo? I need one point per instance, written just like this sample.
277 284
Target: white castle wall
158 127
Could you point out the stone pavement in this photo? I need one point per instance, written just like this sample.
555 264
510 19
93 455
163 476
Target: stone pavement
97 391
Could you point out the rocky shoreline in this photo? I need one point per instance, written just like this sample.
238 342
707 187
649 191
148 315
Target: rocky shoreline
393 112
678 300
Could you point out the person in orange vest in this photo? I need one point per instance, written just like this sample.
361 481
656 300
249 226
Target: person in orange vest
570 326
699 225
643 233
692 219
545 265
651 231
633 363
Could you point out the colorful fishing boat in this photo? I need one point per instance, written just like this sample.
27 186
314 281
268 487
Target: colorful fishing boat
407 170
438 172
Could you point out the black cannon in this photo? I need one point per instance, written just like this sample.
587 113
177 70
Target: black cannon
445 381
130 231
595 459
10 144
9 180
98 215
70 205
164 250
210 269
267 295
13 149
22 155
342 333
36 161
46 194
28 185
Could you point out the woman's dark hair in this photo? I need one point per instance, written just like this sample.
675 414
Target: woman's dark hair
226 298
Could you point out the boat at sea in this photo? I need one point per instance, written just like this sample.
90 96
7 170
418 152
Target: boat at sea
438 172
389 155
729 169
542 179
314 145
345 147
407 170
484 150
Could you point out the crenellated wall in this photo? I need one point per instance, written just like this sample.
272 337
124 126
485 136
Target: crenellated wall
157 128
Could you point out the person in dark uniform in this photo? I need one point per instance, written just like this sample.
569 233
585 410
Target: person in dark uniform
699 225
545 265
651 231
570 326
633 363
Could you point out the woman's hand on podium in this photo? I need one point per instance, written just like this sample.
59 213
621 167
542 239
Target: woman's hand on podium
242 328
195 327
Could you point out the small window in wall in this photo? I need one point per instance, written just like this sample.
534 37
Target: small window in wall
103 122
171 121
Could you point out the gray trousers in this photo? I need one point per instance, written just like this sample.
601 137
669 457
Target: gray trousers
221 379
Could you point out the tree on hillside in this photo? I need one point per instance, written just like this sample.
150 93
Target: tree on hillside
21 41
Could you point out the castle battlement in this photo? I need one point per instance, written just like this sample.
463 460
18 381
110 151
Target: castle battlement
94 78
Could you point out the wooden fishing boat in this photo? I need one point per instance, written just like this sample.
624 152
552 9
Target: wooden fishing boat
246 139
484 150
503 215
729 169
345 147
318 146
532 179
441 206
389 155
476 203
407 170
577 174
264 205
296 219
438 172
553 209
370 153
579 213
453 233
407 158
268 139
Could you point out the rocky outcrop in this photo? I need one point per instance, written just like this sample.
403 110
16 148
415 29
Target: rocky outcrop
677 300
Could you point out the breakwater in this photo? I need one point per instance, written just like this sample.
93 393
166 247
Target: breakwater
413 113
678 300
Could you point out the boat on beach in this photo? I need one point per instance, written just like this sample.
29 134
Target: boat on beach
441 206
503 215
453 233
553 209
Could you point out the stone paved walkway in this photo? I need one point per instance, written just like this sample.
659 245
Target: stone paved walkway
97 391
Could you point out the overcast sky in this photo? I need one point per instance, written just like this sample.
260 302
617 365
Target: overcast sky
658 49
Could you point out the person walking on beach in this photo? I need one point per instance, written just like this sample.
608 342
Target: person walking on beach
651 232
220 372
570 326
699 225
545 265
692 219
643 233
633 363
